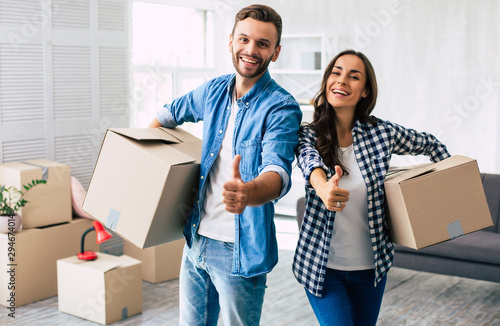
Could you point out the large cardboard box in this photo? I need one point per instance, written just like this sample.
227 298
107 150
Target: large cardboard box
144 183
159 263
30 260
105 290
48 203
433 203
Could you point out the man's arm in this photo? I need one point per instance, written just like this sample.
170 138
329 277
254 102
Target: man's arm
155 123
238 194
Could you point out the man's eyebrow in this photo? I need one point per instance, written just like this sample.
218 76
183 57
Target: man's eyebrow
261 40
352 70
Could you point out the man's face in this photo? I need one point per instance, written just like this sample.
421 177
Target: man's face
253 46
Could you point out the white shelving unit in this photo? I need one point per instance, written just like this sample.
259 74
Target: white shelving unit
301 63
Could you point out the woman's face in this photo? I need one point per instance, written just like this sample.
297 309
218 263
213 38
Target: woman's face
346 84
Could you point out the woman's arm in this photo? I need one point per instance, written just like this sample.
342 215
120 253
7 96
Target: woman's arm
315 172
410 141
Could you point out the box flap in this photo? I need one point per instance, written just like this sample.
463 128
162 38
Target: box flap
396 175
167 152
101 264
401 174
453 161
126 261
180 134
147 134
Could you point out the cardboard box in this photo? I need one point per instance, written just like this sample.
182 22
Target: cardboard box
145 183
159 263
34 253
48 203
429 204
105 290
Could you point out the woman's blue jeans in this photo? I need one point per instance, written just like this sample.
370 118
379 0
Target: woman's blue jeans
349 298
207 288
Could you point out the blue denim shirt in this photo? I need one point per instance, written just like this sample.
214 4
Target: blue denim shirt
265 135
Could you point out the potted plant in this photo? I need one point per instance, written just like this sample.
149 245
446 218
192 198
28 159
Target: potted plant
11 200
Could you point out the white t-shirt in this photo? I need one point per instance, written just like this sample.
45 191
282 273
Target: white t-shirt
351 248
217 223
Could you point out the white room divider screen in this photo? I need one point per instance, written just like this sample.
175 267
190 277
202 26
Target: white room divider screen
63 79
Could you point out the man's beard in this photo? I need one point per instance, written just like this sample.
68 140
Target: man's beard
260 69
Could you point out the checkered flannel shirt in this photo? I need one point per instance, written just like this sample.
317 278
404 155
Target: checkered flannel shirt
373 147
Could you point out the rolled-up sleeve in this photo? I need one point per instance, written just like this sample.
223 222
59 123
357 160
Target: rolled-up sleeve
285 178
308 157
187 108
165 117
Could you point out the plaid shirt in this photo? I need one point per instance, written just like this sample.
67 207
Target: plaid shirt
373 147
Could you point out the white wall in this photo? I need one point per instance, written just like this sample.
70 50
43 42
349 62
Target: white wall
437 63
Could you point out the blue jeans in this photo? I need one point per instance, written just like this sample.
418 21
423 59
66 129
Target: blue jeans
349 298
207 288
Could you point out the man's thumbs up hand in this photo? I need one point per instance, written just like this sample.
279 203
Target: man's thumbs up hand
235 191
236 167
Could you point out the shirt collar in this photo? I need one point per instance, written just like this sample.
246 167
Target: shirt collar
358 127
254 92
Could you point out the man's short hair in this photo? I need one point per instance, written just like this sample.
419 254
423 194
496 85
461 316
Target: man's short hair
261 13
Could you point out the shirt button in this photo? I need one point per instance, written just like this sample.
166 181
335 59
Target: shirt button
220 131
229 107
194 225
202 177
248 103
211 154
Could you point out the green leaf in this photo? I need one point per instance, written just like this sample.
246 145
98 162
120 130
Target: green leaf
11 198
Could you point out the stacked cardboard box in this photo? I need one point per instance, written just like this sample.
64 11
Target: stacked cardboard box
48 203
159 263
30 257
48 232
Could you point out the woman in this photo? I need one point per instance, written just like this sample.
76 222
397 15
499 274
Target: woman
344 250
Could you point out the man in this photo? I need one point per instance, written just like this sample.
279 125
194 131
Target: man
249 136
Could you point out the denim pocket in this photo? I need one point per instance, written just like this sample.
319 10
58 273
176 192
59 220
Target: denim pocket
229 246
250 156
